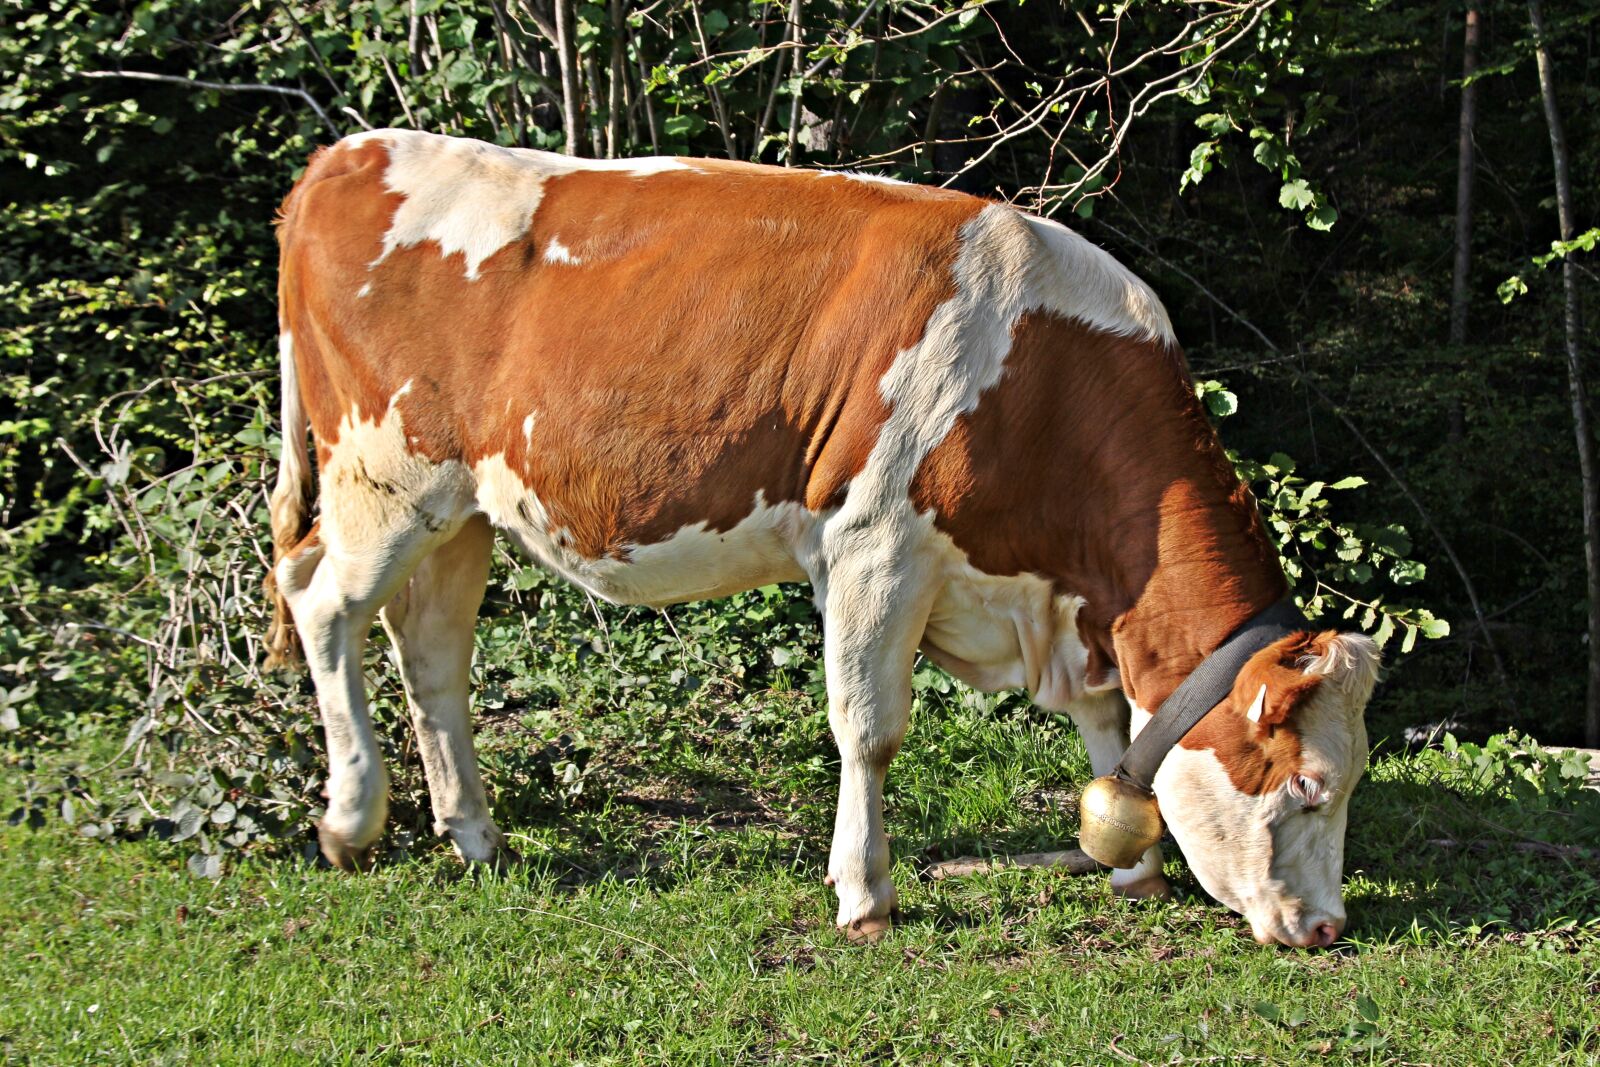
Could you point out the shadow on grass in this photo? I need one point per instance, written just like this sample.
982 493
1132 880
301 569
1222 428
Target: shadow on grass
1426 858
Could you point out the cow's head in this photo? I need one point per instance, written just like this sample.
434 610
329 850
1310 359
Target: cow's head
1258 793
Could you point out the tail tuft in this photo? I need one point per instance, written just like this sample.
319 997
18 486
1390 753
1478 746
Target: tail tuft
292 502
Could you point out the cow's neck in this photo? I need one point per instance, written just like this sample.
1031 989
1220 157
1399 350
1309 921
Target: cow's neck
1213 565
1216 571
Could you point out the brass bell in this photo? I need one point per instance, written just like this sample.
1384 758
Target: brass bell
1119 821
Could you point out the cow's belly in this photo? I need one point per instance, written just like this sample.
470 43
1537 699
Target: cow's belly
991 632
1008 633
695 563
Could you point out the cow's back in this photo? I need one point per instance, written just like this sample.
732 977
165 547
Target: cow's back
659 345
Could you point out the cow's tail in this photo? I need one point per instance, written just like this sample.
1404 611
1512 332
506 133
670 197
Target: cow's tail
291 504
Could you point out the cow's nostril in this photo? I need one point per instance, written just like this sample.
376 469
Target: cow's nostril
1325 934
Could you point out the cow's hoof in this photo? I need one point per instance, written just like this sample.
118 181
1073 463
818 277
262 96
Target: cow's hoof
1153 888
341 853
868 931
503 860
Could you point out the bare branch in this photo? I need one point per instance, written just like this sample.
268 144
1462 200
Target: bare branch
225 87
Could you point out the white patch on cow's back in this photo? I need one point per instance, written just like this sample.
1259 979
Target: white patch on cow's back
556 252
866 176
527 427
1079 279
473 197
960 354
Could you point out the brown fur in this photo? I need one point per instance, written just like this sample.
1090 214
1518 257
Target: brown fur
1092 463
725 334
1260 756
675 374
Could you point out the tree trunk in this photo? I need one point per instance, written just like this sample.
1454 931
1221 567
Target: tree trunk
1466 163
566 54
1580 401
614 107
797 35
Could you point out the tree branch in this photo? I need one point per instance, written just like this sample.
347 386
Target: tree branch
226 87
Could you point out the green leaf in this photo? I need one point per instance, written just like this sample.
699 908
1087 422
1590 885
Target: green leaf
1407 572
1322 217
1355 481
1296 195
1410 639
715 22
1221 404
1367 1008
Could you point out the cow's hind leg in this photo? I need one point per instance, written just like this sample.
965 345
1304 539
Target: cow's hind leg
431 622
335 581
875 609
1102 720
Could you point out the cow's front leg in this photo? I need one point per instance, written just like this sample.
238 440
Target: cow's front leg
431 623
1102 720
875 609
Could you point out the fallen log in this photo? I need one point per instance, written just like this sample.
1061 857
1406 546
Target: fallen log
1073 860
1537 848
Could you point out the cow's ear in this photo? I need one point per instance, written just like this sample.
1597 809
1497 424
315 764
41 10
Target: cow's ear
1273 684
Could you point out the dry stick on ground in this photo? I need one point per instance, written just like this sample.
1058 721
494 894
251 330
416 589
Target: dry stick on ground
226 87
1574 331
1361 439
1074 860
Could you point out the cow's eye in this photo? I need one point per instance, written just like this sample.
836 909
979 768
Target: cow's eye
1307 789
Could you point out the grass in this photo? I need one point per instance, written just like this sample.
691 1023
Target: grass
673 912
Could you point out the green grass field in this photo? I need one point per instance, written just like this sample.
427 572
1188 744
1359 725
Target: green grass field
674 912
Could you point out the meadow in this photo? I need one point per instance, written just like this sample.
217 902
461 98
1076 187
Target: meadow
670 909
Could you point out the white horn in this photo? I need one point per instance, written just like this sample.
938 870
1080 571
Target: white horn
1260 705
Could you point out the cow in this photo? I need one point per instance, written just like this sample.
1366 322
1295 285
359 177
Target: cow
664 379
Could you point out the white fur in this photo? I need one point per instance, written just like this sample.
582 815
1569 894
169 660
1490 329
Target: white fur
865 176
694 563
292 474
1083 281
430 627
383 510
1014 632
1264 856
556 252
473 197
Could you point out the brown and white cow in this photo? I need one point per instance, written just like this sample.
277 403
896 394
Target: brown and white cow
968 428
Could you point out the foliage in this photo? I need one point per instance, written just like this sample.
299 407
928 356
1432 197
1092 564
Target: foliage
136 333
1323 557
